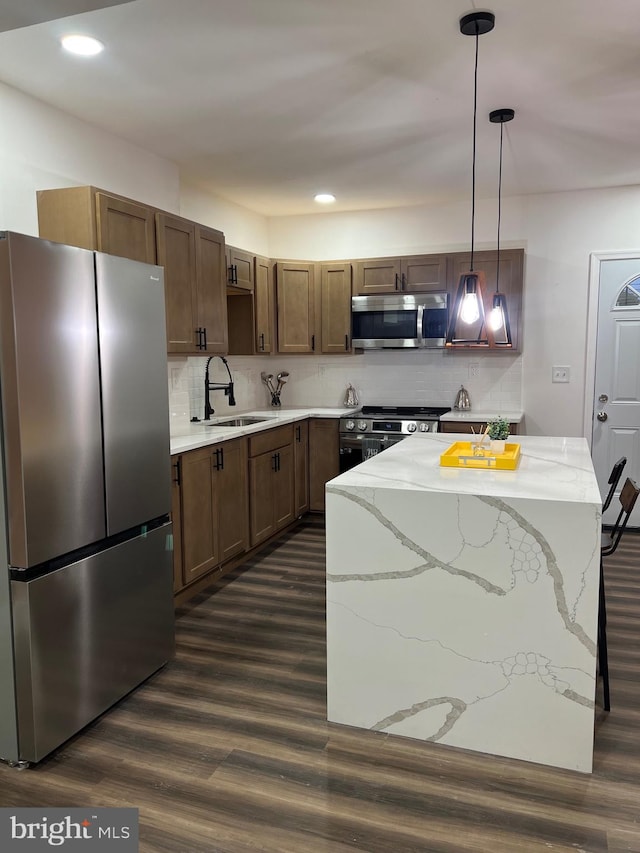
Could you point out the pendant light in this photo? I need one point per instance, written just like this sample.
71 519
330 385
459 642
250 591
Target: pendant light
499 316
468 309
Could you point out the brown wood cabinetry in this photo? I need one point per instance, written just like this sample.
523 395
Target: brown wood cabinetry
511 282
252 314
324 458
92 219
301 465
335 308
193 256
420 274
271 482
176 520
295 306
240 269
213 507
469 427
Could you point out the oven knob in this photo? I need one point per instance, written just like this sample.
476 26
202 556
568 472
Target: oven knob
362 425
411 427
350 425
424 427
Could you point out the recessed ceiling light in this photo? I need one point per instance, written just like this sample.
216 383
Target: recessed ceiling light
324 198
82 45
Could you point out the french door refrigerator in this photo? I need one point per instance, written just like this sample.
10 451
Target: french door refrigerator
86 602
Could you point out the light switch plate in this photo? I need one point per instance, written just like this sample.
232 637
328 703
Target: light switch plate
474 370
560 373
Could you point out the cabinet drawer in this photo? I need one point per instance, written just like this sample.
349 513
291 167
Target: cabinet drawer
270 439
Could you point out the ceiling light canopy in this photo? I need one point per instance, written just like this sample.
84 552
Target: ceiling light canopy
324 198
82 45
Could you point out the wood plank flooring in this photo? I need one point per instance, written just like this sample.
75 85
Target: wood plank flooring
227 749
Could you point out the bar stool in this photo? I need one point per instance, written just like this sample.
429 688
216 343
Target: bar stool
614 479
628 498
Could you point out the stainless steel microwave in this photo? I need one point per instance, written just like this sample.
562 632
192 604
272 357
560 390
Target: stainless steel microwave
399 321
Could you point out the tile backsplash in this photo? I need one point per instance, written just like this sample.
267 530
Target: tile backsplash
494 381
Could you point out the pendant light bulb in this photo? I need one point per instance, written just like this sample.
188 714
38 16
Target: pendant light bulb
470 312
496 318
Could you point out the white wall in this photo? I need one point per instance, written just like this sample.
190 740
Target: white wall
42 148
242 228
558 232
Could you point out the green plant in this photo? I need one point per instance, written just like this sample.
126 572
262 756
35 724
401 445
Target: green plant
498 429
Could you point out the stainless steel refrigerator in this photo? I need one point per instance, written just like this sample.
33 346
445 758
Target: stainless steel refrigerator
86 601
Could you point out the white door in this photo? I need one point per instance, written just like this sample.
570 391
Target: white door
616 414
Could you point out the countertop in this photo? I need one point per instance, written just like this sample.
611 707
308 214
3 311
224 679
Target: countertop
200 435
550 468
482 416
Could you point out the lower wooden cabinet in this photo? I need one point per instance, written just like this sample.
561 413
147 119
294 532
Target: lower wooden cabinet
271 482
211 498
324 458
301 465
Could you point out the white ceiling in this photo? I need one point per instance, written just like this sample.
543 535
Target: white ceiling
266 102
24 13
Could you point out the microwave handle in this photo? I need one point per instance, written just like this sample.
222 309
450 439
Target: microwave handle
419 322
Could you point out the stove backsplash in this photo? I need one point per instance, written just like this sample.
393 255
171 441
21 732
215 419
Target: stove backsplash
494 381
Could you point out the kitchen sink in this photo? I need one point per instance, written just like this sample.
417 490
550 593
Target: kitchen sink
238 422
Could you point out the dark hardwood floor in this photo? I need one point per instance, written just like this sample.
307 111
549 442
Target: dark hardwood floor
227 749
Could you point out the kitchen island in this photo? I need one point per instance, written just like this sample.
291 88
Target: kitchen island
462 604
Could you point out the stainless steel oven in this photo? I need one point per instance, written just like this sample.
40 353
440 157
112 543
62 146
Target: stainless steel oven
375 428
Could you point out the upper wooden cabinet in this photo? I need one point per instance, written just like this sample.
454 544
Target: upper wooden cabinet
251 314
295 299
92 219
264 304
240 268
193 256
421 273
335 308
511 284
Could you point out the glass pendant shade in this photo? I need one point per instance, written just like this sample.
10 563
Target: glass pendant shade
469 309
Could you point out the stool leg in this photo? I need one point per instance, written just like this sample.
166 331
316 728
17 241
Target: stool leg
603 660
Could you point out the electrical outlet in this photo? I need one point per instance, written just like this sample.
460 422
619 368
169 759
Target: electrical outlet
474 370
175 378
561 373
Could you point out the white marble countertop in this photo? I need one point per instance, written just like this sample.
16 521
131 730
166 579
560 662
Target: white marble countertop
200 434
482 415
557 469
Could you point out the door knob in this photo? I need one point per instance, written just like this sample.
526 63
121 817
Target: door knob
602 416
603 398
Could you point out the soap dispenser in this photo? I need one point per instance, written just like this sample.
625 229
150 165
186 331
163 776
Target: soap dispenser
462 399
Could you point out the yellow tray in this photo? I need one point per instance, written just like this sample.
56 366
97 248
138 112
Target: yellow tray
460 455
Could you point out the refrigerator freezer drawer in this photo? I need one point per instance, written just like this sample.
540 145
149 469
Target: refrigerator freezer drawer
87 634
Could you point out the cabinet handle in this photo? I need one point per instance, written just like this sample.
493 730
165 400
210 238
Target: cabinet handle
178 466
262 341
397 282
404 281
274 462
346 342
278 458
230 273
218 464
235 273
298 434
204 333
313 343
199 338
221 459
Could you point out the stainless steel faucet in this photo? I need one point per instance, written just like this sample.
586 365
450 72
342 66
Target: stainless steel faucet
227 387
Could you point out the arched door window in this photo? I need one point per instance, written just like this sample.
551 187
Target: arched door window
629 295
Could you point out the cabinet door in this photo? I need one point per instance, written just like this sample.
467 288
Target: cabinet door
511 282
283 487
324 458
263 304
211 288
200 547
261 473
424 273
176 239
335 307
295 300
233 497
176 519
377 275
125 228
301 464
239 268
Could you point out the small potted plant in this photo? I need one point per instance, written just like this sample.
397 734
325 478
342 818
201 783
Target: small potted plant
498 430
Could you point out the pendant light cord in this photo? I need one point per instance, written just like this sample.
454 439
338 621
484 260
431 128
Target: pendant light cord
499 209
473 162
